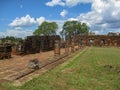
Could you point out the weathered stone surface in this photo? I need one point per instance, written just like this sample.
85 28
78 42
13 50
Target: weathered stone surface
67 46
34 64
99 40
35 44
5 51
57 48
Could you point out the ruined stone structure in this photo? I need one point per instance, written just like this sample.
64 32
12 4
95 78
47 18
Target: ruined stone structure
57 48
67 46
72 44
5 51
99 40
35 44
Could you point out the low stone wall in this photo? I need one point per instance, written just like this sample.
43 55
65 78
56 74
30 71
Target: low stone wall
99 40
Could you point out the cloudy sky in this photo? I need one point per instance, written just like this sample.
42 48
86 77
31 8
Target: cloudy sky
21 17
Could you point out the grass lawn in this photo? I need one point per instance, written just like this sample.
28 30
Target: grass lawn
94 68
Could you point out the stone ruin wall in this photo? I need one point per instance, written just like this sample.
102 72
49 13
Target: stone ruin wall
99 40
5 51
35 44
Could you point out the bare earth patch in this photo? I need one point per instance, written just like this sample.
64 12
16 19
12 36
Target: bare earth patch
17 64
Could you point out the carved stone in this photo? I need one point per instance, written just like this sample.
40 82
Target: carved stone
34 64
57 48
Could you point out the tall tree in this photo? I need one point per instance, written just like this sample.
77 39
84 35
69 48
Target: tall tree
74 28
46 28
84 28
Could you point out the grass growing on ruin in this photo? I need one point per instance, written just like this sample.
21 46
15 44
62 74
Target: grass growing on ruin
93 69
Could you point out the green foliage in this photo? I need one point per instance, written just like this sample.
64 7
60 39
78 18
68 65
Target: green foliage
46 28
84 29
74 28
10 39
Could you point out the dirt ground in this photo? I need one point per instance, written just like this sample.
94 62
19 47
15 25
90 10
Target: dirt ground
16 64
9 68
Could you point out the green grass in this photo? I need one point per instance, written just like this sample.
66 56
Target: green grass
85 71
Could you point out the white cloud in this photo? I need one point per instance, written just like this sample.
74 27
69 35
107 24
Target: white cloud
2 34
69 3
60 25
55 2
40 20
23 32
23 21
16 33
18 28
72 19
72 3
26 21
97 32
21 27
103 16
64 13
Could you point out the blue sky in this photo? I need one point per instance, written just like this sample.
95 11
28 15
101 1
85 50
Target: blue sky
21 17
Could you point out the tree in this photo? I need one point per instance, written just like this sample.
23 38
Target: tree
11 39
84 28
46 28
74 28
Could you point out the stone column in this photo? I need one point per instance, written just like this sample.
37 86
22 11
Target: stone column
67 46
72 44
118 42
115 43
79 43
57 48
